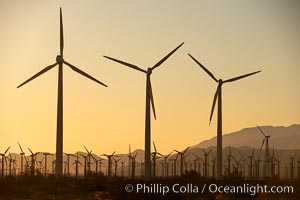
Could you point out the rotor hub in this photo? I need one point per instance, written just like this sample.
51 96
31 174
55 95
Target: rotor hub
220 81
59 59
149 71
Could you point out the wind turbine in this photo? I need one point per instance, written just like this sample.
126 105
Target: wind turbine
3 160
76 162
89 159
229 156
238 163
181 154
46 154
129 160
266 167
218 95
133 163
251 157
96 163
154 157
197 159
40 165
213 160
59 131
22 156
32 166
206 162
85 163
166 164
68 162
109 162
116 165
149 100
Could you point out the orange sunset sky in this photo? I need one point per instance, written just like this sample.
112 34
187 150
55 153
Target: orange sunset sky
230 38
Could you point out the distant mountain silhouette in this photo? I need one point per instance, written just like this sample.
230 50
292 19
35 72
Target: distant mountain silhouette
281 138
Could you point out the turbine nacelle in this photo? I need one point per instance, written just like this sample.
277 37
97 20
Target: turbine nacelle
59 59
149 71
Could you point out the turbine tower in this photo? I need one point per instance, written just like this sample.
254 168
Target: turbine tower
59 129
218 95
149 100
266 167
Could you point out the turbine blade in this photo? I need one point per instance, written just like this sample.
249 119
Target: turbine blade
154 146
38 74
31 151
169 154
166 57
83 73
152 99
6 150
214 104
177 151
186 150
204 68
20 147
86 149
261 131
240 77
203 151
61 34
126 63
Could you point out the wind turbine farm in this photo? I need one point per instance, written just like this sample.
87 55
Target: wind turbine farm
190 157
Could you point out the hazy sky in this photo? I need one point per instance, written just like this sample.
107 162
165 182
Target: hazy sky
229 37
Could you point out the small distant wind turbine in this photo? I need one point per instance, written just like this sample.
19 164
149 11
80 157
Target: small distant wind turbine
60 61
251 157
206 154
213 160
89 159
32 166
229 156
181 154
218 95
116 165
238 163
173 165
109 157
129 161
197 160
46 154
85 164
3 160
154 157
22 154
76 162
149 100
133 163
166 164
68 162
266 167
96 164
